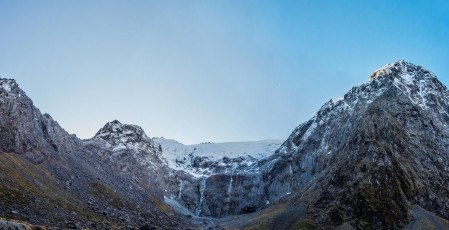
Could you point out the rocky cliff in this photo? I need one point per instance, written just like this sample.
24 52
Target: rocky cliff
24 130
49 177
367 160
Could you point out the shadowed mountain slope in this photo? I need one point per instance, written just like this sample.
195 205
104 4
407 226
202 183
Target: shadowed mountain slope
49 177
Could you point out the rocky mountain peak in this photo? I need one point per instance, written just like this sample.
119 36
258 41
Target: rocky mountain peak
418 84
409 82
10 89
115 132
122 139
394 127
7 84
24 130
400 68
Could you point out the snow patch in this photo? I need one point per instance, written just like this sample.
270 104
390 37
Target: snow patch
7 84
219 155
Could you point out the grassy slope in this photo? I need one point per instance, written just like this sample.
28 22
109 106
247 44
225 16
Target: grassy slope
43 194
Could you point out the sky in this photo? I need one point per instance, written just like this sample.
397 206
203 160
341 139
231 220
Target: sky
199 71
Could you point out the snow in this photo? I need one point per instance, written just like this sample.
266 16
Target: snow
408 78
119 147
415 82
216 151
310 130
180 157
200 160
7 87
203 160
124 136
335 100
7 84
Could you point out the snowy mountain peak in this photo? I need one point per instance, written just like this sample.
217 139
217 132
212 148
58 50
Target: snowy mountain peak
413 83
122 141
8 84
395 125
400 68
115 132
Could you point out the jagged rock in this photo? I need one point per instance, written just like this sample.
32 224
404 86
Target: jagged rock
368 157
24 130
122 143
40 172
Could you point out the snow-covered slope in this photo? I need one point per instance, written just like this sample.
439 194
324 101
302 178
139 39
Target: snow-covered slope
209 158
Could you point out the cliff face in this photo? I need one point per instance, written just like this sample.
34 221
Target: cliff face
24 130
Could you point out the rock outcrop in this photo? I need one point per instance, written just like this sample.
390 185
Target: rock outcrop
24 130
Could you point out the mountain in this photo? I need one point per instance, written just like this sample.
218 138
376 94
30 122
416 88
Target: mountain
376 158
49 177
217 179
195 180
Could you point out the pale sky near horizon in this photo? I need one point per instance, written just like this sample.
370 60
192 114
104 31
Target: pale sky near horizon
198 71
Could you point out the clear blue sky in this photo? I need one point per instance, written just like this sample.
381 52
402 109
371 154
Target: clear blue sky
209 70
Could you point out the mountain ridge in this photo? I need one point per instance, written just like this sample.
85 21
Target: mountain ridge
363 122
375 158
49 177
